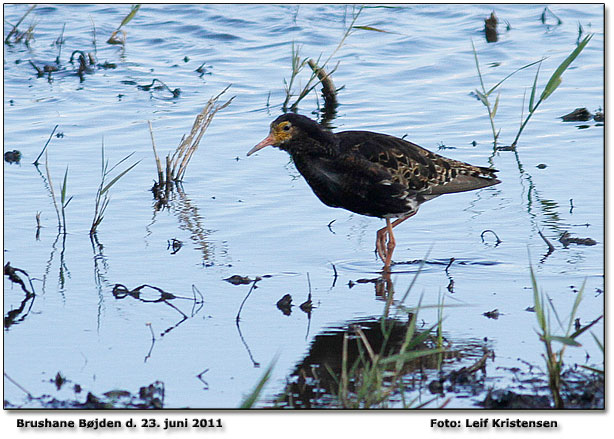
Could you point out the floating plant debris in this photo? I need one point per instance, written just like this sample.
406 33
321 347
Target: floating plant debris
238 280
285 304
578 115
13 156
567 239
490 28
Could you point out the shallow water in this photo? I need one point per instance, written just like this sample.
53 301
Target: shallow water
255 216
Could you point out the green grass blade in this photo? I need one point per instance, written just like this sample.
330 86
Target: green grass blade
565 340
510 75
552 85
118 163
576 304
555 79
477 65
411 355
556 314
64 184
539 310
252 398
371 28
413 281
130 16
577 333
494 108
121 174
598 343
532 99
482 97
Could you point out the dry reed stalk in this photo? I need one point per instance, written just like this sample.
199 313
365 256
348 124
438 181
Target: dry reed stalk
177 163
188 146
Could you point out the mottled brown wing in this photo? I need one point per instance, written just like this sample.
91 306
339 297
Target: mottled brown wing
414 167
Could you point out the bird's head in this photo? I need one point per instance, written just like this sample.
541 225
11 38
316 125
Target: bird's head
293 132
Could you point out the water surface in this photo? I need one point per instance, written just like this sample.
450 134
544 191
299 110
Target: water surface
255 216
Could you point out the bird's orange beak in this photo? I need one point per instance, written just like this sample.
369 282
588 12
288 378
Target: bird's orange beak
269 140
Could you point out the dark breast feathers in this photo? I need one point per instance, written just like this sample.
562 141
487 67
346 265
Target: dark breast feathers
380 175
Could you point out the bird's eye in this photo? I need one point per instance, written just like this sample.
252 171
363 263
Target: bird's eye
286 127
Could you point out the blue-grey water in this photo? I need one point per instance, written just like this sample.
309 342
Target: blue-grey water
256 216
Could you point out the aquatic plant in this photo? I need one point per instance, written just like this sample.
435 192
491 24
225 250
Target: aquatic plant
554 358
15 36
115 38
61 208
177 163
252 397
102 194
320 71
552 84
371 380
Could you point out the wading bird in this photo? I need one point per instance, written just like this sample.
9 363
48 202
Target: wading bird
370 173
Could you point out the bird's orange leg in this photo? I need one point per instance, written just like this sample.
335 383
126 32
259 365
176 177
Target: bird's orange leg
380 242
385 242
392 243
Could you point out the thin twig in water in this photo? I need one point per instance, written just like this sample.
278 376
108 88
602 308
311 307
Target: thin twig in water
45 147
496 236
19 386
238 317
550 246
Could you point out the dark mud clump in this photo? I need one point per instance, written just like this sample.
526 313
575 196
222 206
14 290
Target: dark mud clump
581 390
148 397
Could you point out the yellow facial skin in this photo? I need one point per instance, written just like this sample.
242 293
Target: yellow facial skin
280 133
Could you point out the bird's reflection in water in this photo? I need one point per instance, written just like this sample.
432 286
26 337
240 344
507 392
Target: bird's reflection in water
343 353
338 370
